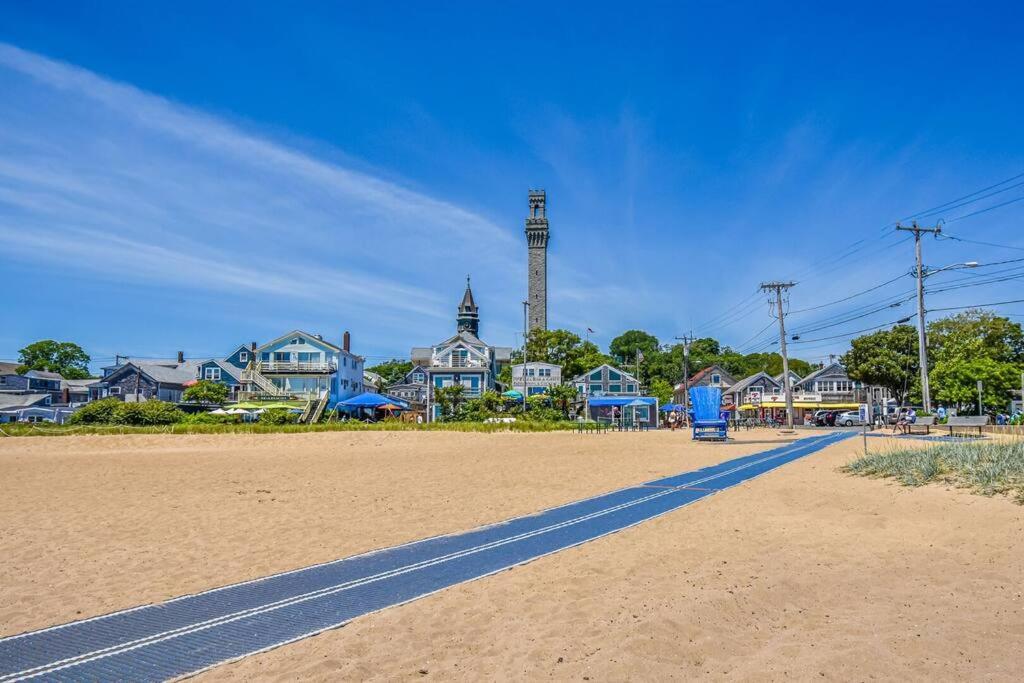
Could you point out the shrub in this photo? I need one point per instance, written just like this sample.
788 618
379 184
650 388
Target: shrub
208 419
206 391
95 413
278 416
112 411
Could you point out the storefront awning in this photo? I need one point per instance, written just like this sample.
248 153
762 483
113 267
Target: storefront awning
817 405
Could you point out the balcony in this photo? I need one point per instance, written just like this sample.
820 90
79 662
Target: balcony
294 366
456 362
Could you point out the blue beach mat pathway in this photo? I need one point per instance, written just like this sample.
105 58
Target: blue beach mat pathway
195 632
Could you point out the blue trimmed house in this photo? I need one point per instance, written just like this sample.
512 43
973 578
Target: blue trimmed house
300 365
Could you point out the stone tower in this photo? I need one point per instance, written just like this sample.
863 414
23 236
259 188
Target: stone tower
469 316
537 249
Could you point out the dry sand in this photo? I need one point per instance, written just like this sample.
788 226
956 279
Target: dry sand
803 572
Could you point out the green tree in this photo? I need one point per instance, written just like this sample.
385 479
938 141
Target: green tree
887 358
66 358
206 391
565 349
450 401
956 381
971 346
624 348
392 371
563 396
662 390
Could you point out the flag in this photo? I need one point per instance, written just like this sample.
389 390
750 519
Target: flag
590 330
639 356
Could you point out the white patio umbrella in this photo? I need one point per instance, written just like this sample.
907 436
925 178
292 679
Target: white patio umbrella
237 411
218 411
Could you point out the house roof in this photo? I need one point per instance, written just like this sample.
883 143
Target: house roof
537 364
8 401
701 374
177 374
12 369
778 377
585 375
293 333
78 383
225 368
43 374
822 371
747 381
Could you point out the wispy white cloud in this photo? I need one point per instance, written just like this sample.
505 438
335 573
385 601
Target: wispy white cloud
95 173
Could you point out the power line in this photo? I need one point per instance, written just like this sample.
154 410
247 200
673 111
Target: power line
850 334
852 296
976 199
985 210
947 236
959 199
994 303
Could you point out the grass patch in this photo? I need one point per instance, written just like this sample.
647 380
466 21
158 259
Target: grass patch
987 468
15 429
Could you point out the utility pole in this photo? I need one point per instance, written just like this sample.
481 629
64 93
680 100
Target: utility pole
687 340
981 409
778 288
926 394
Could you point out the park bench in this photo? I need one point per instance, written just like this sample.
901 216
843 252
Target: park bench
962 422
926 422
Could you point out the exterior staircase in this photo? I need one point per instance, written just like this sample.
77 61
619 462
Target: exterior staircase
305 412
252 375
321 406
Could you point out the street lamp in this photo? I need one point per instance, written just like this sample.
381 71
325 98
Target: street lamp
921 272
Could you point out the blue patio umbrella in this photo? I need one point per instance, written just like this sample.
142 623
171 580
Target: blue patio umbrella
512 393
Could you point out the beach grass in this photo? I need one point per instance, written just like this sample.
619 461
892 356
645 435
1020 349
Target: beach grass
985 467
37 429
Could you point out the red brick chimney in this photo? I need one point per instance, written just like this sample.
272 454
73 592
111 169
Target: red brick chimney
346 341
181 356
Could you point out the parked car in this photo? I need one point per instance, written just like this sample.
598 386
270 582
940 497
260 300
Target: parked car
819 417
849 418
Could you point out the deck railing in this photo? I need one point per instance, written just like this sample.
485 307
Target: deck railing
297 366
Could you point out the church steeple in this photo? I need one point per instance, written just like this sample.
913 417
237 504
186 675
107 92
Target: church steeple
469 317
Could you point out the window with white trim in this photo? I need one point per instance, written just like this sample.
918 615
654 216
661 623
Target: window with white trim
211 373
115 391
243 356
716 380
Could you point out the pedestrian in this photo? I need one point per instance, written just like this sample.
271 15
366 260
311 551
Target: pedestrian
941 413
673 418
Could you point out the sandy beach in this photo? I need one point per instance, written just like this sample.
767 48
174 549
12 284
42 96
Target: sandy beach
805 572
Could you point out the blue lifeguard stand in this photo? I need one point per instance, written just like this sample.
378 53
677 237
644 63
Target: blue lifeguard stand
709 423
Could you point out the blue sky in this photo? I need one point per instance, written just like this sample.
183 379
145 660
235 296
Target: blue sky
197 177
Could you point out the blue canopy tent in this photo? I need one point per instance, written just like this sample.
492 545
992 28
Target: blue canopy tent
371 401
706 414
668 407
624 403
